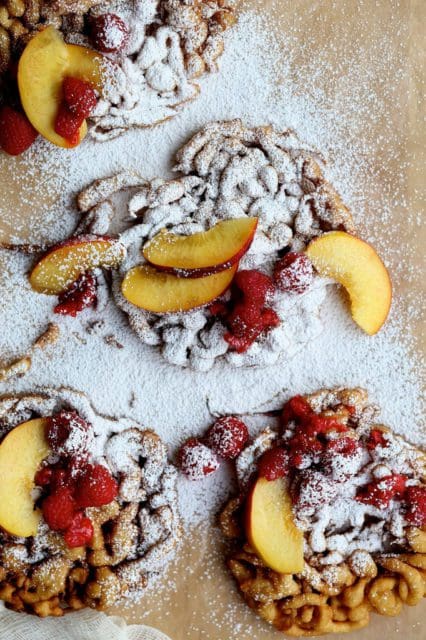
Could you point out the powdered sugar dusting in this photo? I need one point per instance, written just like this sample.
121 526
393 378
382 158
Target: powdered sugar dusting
345 110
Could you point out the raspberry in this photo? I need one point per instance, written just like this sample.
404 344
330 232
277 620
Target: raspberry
380 492
416 506
79 96
324 424
294 273
254 285
67 124
303 444
249 318
218 308
109 33
80 531
196 460
295 408
269 319
240 345
60 478
274 464
95 487
68 434
80 295
227 437
376 439
58 509
16 132
43 476
244 319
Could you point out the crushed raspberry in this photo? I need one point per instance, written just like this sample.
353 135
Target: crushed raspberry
67 124
16 132
79 96
294 273
325 424
80 531
43 476
109 33
343 446
227 437
80 295
249 317
303 444
415 498
58 509
381 491
68 434
296 407
95 487
274 464
196 460
254 285
218 308
310 430
376 439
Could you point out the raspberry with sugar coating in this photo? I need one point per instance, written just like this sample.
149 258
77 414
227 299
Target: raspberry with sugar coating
294 273
196 460
109 33
227 436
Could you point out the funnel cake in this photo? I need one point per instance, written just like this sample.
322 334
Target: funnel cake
133 535
170 44
358 497
226 171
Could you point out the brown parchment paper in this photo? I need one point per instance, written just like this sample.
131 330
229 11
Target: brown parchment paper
196 593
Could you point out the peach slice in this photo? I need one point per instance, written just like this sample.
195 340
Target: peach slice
45 62
21 453
64 263
355 265
202 253
270 526
160 292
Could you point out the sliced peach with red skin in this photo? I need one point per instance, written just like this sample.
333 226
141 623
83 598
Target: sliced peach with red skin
201 253
21 453
63 264
44 63
161 292
270 526
358 268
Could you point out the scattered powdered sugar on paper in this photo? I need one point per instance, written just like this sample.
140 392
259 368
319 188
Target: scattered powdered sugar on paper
348 128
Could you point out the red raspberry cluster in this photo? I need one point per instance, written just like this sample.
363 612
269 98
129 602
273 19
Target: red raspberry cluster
381 491
79 101
225 439
72 484
248 315
80 295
